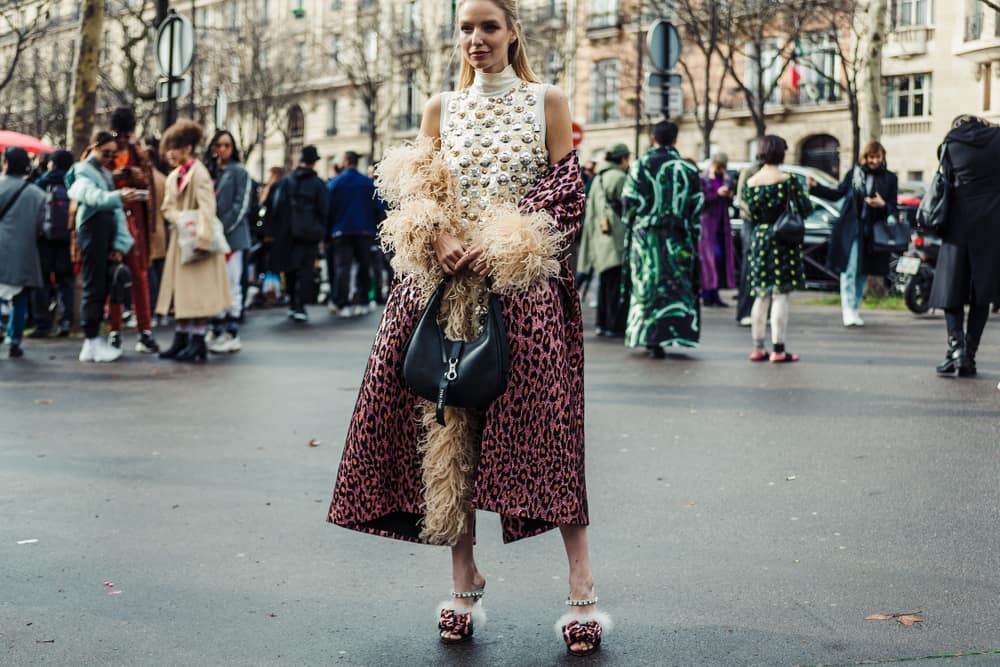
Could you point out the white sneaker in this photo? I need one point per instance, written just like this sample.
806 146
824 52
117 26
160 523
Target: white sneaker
332 307
234 344
97 349
87 351
852 318
345 313
218 344
251 296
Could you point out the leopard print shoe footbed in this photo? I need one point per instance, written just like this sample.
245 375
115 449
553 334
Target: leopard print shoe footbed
461 621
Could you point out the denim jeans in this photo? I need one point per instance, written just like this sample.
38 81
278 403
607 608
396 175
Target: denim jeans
852 282
18 317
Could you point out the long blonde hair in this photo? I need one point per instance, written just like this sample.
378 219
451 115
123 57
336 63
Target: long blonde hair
517 56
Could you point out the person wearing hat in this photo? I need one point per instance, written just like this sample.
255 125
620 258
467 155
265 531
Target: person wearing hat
715 248
301 205
602 244
22 210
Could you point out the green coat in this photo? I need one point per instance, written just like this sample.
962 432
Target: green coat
599 251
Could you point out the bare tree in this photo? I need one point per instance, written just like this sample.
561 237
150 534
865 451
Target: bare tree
365 67
701 25
21 22
835 19
131 79
84 111
874 22
762 35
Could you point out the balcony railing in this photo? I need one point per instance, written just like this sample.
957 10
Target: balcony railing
973 27
604 21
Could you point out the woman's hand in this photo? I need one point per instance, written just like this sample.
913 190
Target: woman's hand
875 201
449 252
474 260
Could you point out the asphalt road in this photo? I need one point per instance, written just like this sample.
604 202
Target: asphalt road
743 514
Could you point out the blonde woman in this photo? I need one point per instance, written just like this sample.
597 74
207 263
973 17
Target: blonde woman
197 290
491 189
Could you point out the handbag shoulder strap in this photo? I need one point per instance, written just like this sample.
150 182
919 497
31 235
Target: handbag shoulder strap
10 203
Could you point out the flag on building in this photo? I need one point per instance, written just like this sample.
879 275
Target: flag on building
794 74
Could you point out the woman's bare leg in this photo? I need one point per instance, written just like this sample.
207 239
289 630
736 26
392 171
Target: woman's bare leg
465 576
581 579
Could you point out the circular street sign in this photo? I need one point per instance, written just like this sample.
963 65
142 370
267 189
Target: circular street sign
664 45
577 135
175 37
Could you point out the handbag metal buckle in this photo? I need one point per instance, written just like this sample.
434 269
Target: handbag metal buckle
452 373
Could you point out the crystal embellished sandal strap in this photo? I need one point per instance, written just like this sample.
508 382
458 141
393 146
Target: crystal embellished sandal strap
581 603
466 595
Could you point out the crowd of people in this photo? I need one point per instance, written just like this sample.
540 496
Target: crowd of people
658 241
155 233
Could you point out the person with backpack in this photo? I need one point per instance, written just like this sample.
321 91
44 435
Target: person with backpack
132 169
301 204
53 251
22 207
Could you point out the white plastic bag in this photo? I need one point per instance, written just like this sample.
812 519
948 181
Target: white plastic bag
187 238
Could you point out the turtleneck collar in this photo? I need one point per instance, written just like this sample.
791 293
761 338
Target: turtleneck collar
495 84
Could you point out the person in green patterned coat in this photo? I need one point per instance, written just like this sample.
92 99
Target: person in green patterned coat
662 213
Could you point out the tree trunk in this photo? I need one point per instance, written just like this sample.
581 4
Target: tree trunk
88 55
871 118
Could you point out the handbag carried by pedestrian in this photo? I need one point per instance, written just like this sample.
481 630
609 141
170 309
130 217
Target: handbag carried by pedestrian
932 214
187 238
890 235
463 374
789 228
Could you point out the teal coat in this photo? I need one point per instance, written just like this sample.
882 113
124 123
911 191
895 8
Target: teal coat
90 186
599 251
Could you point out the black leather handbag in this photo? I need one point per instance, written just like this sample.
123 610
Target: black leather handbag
119 283
789 228
932 214
462 374
890 235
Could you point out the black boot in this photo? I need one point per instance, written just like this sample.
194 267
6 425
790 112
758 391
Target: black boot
181 341
967 363
956 348
195 351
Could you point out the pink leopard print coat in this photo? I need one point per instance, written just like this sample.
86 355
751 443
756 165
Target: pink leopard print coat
531 468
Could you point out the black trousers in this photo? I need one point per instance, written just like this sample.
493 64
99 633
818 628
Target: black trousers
744 303
343 251
611 312
973 327
96 238
299 279
55 261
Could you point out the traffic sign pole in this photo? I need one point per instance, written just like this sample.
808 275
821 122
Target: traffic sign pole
170 117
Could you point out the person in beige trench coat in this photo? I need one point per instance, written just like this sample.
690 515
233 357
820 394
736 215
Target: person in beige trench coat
197 290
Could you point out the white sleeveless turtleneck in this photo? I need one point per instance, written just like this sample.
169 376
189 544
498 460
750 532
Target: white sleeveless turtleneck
493 139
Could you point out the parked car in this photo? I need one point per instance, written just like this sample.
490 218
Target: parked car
908 198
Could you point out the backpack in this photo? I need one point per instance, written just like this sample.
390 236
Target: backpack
304 218
56 224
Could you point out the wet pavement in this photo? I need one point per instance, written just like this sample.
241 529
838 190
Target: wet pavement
742 514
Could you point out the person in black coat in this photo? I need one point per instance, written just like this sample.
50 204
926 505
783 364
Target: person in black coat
301 207
869 193
968 266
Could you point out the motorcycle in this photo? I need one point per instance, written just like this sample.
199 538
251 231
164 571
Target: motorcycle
914 271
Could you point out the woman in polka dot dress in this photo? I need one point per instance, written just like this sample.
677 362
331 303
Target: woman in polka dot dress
775 267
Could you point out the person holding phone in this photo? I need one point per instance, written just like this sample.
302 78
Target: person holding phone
869 193
102 234
132 169
715 247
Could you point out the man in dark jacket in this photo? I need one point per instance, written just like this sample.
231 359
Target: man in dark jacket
22 207
302 213
53 250
869 193
355 212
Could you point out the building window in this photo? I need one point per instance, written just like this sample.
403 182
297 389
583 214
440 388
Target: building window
371 46
604 91
906 13
908 96
817 65
410 116
974 22
767 64
331 118
336 43
265 11
603 14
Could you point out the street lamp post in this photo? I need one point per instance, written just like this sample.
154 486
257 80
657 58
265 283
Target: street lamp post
638 79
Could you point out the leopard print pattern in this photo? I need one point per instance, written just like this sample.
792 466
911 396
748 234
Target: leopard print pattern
531 467
579 633
459 624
